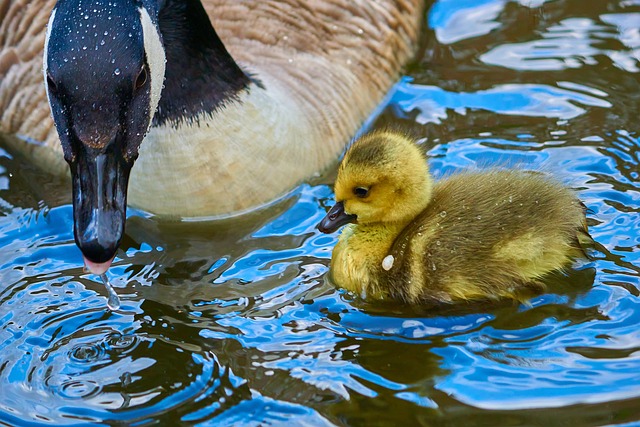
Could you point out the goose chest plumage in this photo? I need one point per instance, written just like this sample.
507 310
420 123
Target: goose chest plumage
217 121
490 234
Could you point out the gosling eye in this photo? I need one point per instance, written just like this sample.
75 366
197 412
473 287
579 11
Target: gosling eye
361 192
142 77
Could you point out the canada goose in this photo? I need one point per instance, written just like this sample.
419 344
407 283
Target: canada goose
231 118
475 235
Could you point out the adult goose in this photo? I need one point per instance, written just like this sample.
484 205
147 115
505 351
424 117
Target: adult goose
217 121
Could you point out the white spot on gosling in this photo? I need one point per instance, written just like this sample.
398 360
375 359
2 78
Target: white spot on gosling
387 262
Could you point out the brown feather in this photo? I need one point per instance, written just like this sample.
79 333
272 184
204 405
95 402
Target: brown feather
335 58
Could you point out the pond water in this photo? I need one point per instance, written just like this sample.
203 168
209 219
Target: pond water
233 322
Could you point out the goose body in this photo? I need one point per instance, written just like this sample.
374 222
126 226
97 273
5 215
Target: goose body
475 235
235 108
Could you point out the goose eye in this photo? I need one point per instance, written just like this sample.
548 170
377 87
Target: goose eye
142 77
51 84
361 192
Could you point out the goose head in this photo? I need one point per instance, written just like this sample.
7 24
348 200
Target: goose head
382 179
114 68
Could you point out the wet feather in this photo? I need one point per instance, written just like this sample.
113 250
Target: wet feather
491 234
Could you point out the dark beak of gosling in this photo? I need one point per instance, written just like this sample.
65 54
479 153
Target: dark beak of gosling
335 218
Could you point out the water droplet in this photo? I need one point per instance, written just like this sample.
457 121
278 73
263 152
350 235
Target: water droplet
443 214
387 262
116 71
125 379
113 302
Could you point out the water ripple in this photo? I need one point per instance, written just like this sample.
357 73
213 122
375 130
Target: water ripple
235 322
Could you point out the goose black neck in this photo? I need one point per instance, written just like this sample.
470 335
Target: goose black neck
200 74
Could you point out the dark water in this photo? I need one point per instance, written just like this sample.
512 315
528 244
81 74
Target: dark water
233 323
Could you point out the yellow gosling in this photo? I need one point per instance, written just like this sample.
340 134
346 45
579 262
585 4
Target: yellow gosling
476 235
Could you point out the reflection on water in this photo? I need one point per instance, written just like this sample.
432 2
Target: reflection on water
233 322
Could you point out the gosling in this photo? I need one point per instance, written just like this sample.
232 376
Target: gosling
473 236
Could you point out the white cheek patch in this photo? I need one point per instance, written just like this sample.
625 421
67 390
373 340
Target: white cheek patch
155 58
45 60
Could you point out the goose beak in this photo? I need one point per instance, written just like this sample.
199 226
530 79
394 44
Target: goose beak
99 181
102 102
335 218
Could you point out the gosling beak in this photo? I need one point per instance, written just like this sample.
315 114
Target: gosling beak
99 205
335 218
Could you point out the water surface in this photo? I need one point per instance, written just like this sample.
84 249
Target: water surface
233 322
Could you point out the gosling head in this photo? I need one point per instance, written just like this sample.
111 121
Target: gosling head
383 178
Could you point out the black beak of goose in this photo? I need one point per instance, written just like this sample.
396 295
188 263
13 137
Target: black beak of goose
103 88
100 164
335 218
99 182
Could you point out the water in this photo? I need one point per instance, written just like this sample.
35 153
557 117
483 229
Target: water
113 301
233 323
